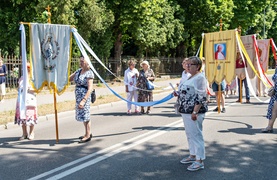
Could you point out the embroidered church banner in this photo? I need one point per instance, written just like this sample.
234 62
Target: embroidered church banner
220 54
50 55
248 43
263 52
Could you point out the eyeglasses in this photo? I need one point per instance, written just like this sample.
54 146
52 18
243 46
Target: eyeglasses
188 65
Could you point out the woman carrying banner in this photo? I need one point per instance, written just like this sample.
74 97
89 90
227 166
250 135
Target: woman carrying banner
3 73
26 114
193 106
145 95
272 107
83 79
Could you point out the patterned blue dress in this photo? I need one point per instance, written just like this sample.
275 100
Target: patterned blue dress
81 81
273 98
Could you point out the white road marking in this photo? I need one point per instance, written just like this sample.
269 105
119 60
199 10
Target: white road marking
119 146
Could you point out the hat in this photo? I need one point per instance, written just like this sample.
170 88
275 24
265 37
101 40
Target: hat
145 62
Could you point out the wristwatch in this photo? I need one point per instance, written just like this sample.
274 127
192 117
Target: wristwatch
194 112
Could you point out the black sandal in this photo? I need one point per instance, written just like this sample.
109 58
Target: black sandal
266 130
81 137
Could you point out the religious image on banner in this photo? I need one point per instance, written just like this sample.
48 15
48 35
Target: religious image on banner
263 53
220 55
220 51
50 55
248 43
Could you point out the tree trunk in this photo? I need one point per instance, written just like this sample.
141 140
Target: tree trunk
116 66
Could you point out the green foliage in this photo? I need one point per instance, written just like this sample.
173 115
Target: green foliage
143 27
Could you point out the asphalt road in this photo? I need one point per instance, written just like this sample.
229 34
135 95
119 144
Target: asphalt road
143 146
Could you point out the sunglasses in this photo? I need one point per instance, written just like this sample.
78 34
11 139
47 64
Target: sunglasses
188 65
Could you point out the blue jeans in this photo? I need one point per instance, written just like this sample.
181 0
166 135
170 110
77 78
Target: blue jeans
244 81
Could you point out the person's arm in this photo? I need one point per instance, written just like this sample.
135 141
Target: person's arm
126 81
71 77
90 87
5 70
152 77
200 90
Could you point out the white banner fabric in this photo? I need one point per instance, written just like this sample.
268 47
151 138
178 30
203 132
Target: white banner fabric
50 55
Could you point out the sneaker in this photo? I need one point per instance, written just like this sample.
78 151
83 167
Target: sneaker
129 112
223 110
247 101
196 166
31 136
188 160
216 109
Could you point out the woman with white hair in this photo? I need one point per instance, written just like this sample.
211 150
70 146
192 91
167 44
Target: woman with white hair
145 95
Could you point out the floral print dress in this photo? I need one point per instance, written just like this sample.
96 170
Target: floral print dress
144 95
273 98
30 111
81 81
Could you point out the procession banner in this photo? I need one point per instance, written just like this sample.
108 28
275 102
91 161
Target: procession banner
50 56
263 52
248 43
220 54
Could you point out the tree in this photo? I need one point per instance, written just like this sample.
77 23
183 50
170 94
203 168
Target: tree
12 12
202 17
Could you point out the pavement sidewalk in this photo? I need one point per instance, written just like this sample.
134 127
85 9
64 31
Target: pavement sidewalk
9 104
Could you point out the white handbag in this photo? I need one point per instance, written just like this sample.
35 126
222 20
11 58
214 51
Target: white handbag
271 92
31 100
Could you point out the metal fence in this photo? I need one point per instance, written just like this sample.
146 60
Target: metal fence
161 66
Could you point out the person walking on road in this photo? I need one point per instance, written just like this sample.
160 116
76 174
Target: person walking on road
130 80
272 107
193 106
144 95
3 73
218 97
83 79
26 114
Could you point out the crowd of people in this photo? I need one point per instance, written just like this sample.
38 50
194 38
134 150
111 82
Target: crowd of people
192 98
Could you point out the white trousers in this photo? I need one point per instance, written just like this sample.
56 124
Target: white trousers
3 89
130 96
194 135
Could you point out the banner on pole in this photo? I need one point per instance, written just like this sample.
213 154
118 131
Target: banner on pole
50 56
263 53
220 54
248 43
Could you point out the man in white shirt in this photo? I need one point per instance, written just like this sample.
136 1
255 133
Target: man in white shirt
130 80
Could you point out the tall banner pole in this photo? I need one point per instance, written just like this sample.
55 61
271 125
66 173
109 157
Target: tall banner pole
240 80
219 85
54 93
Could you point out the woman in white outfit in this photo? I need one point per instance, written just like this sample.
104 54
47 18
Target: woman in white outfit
130 80
193 106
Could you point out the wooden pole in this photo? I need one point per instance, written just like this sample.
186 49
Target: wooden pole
259 86
219 98
56 117
240 90
55 97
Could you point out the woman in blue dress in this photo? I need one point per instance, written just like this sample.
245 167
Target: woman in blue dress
272 107
83 79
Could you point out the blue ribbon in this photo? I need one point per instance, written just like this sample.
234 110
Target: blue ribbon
84 53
